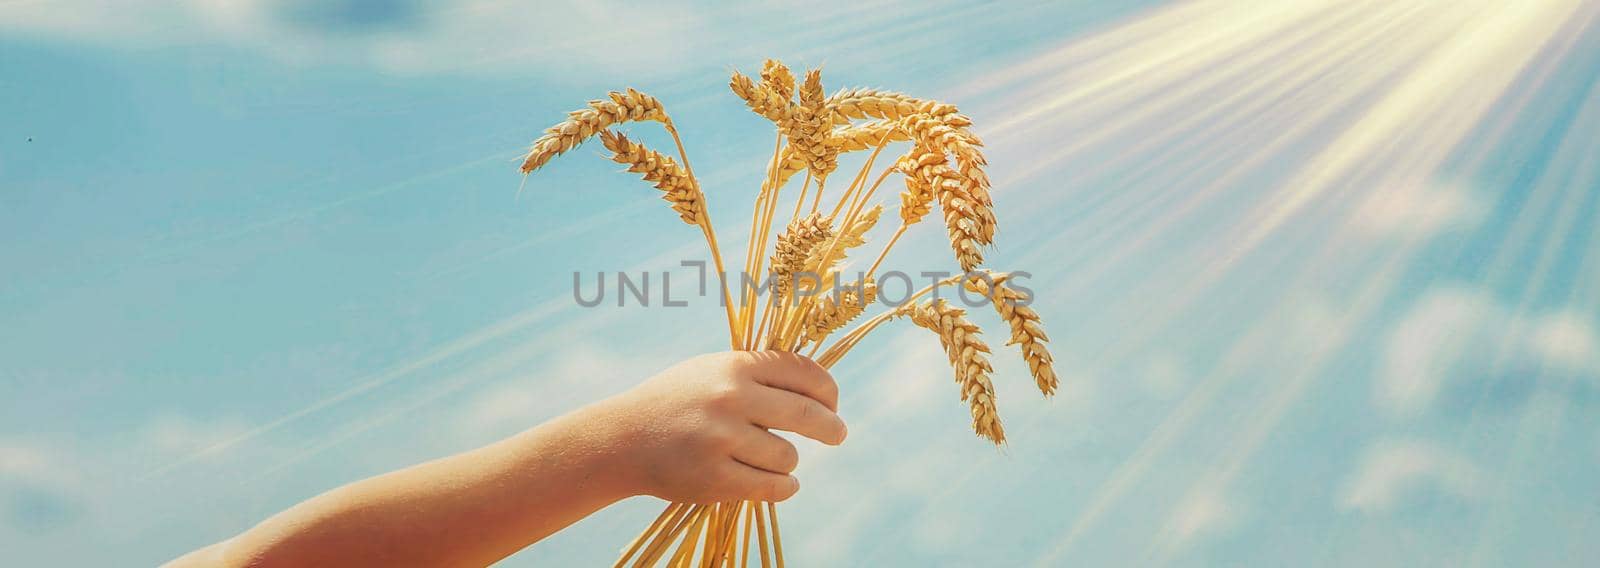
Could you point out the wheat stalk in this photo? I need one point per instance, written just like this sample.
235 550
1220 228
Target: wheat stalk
620 107
923 183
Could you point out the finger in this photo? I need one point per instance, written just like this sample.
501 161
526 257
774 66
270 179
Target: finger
755 484
784 410
798 374
765 450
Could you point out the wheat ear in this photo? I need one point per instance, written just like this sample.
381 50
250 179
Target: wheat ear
877 103
776 76
1027 329
833 312
968 209
866 136
917 199
809 126
762 99
676 183
926 172
794 249
969 356
970 162
787 165
959 219
842 140
930 177
824 257
629 106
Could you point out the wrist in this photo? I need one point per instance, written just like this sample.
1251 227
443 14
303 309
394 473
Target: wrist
611 442
578 452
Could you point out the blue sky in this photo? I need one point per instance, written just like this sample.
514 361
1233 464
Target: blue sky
1321 277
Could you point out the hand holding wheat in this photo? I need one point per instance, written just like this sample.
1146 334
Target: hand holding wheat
944 167
701 431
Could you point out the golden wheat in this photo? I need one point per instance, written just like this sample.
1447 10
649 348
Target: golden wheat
866 136
809 126
762 99
822 258
968 213
970 162
945 165
840 140
784 168
794 249
926 172
969 355
916 201
960 219
833 312
1027 329
629 106
678 186
776 76
878 103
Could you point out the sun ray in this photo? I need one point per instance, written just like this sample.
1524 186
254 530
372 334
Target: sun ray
1444 132
1403 135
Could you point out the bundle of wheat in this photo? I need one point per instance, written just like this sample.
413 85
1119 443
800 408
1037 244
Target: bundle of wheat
945 165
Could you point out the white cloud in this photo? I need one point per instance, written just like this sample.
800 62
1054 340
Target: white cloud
908 379
482 36
570 380
913 380
1419 209
33 462
1164 376
20 461
1202 513
1391 470
1420 350
40 491
504 405
900 401
1463 334
469 36
180 435
1566 340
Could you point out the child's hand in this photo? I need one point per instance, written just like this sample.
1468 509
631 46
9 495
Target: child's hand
698 432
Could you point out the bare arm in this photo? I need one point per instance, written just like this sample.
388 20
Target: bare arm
696 432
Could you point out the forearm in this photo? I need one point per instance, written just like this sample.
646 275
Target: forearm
470 509
700 431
